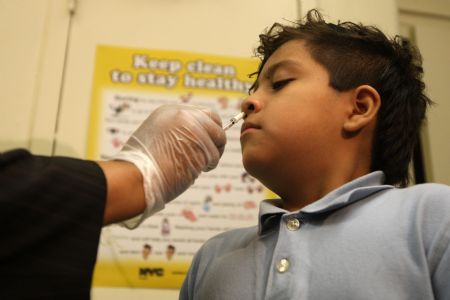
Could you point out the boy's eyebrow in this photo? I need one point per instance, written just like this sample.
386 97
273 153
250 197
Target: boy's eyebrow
271 70
283 63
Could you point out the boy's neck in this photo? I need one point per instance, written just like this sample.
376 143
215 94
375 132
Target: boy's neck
306 189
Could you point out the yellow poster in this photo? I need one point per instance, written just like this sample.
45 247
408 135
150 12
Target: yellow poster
128 85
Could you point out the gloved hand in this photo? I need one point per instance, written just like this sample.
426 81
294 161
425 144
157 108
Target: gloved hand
171 148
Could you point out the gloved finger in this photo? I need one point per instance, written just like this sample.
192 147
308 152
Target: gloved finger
212 114
213 126
203 157
213 159
219 138
203 146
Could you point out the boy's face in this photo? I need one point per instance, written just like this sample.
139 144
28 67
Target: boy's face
294 119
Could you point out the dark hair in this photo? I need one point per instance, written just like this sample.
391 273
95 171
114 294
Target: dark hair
353 55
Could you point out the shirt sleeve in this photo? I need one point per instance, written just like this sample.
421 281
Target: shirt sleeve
436 224
187 289
51 214
442 275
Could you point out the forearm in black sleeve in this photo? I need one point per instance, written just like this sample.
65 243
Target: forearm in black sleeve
51 212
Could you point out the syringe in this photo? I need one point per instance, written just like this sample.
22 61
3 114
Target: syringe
234 120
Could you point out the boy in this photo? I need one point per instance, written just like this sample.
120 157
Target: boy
331 125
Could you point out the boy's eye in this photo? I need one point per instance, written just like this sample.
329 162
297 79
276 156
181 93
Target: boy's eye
278 85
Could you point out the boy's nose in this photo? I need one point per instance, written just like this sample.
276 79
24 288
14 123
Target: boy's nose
250 105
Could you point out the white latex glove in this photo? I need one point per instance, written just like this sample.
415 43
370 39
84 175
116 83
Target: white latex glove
171 148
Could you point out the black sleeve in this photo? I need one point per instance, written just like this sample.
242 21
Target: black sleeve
51 213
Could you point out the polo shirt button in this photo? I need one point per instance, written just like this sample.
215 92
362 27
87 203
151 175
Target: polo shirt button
283 265
293 224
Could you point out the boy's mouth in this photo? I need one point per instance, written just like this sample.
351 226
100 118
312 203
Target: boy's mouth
247 126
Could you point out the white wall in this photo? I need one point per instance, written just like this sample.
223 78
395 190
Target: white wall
382 13
429 26
22 33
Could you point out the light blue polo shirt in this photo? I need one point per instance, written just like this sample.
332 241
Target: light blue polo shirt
364 240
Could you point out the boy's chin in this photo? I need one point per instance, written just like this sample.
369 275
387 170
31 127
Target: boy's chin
255 167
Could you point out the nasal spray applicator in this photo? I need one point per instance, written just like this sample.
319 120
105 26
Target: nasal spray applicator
234 120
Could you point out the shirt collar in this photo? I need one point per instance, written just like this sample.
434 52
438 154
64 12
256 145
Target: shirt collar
270 210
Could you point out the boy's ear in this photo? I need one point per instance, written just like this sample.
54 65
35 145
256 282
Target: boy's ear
365 105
